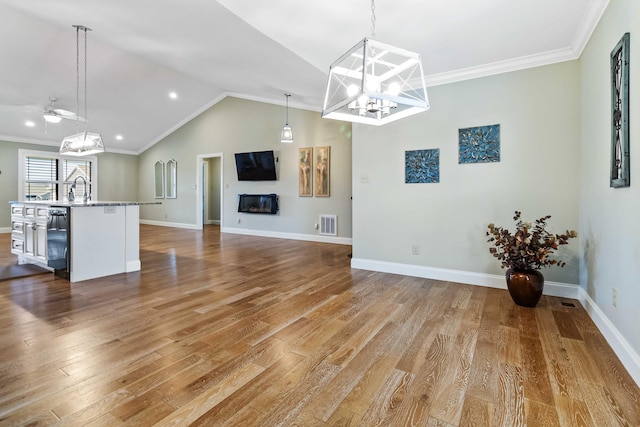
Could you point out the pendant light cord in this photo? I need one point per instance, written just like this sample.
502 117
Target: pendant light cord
84 29
85 79
373 19
287 109
77 79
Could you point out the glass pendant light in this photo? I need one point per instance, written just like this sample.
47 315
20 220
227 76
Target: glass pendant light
287 133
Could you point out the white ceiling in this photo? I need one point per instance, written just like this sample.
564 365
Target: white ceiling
140 50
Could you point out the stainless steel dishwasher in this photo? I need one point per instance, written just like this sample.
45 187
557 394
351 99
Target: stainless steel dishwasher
58 240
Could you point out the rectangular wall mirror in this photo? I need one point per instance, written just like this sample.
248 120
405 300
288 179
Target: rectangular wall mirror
172 174
158 180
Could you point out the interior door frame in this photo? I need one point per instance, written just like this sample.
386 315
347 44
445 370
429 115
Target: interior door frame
200 160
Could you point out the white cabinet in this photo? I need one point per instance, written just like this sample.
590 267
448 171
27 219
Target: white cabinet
29 238
40 238
17 234
17 229
29 233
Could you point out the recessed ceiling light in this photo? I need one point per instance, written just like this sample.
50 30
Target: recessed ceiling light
173 95
119 137
29 123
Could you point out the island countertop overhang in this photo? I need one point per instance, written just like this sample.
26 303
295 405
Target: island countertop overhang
80 204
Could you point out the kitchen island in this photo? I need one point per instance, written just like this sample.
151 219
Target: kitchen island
79 241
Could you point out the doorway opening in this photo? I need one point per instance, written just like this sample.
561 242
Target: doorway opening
209 176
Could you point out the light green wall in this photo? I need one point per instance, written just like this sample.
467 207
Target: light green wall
538 173
236 125
609 217
117 175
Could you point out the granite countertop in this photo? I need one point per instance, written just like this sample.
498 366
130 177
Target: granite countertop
80 203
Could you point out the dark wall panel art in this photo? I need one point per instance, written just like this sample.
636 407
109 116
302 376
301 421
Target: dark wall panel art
479 144
422 166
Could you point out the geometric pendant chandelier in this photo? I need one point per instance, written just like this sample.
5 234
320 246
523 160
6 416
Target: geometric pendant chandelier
82 143
375 83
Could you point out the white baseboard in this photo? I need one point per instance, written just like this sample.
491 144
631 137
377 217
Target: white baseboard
5 230
132 266
168 224
621 347
555 289
258 233
627 355
290 236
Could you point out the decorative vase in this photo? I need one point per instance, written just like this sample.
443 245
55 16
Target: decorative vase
525 286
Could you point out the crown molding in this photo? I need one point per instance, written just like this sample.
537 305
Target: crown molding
276 101
183 122
20 140
590 22
214 102
500 67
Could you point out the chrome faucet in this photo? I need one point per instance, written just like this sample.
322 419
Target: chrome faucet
85 195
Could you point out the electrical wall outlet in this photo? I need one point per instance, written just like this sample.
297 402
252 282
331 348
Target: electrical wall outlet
415 250
614 297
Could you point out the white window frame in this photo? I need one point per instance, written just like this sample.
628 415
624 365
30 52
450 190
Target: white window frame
23 154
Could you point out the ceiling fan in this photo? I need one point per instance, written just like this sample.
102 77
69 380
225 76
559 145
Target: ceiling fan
55 115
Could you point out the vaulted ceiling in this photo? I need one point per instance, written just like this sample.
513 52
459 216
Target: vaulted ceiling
141 50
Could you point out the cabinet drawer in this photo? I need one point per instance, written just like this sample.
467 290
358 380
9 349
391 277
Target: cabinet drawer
17 246
17 210
17 226
30 211
41 212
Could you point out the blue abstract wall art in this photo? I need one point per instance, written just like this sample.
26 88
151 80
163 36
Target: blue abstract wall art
479 144
422 166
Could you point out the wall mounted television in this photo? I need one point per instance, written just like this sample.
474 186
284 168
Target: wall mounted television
256 166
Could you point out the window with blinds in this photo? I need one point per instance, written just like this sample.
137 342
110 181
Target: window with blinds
48 176
41 178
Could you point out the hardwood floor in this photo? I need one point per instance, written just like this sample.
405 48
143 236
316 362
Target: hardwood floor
227 329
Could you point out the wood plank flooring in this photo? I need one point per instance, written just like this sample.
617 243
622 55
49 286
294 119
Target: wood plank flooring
229 330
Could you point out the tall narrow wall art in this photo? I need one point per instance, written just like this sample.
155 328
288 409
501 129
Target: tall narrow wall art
620 176
322 171
305 174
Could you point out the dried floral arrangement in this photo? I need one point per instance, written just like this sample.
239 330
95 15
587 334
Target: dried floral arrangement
530 247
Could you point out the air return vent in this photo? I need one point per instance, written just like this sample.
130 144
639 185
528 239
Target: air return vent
329 225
